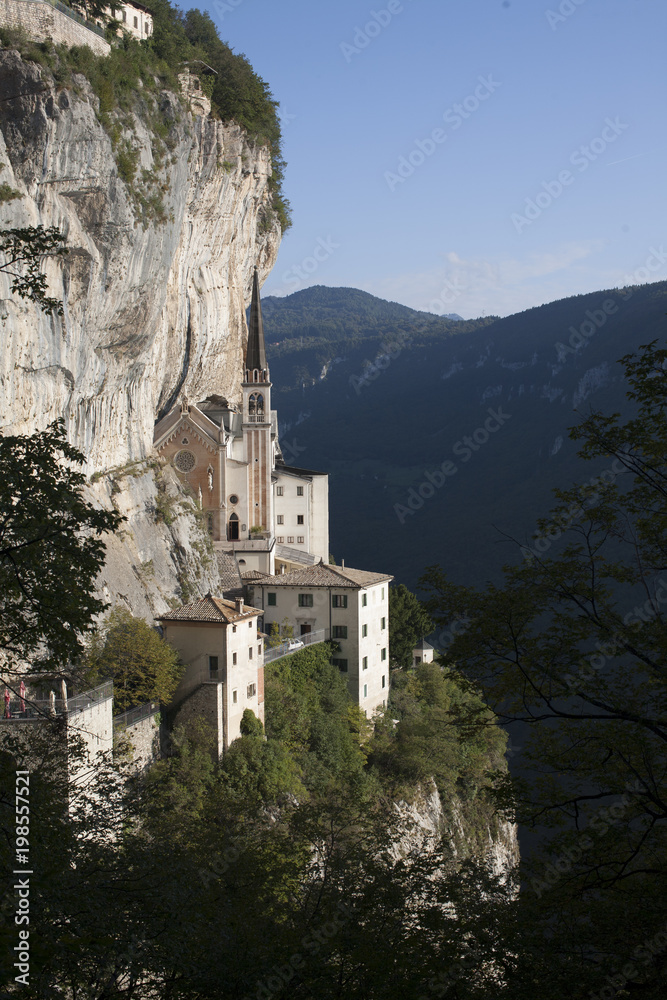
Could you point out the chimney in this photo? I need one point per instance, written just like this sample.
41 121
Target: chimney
342 564
239 605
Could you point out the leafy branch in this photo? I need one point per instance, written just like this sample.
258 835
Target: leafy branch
22 252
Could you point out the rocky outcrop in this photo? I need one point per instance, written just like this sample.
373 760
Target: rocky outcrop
154 289
159 269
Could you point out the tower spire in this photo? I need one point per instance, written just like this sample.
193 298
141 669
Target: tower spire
255 353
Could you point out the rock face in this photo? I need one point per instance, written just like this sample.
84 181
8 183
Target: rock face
154 291
152 307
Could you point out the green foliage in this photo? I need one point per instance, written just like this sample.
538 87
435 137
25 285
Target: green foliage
408 623
22 252
573 646
250 724
51 549
8 193
142 666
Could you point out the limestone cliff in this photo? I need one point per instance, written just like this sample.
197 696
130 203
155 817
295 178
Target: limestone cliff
154 286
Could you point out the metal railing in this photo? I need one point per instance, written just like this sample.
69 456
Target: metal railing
134 715
39 708
289 646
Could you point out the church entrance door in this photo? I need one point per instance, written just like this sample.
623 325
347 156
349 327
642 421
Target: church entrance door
233 529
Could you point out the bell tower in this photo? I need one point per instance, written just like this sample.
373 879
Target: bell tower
257 436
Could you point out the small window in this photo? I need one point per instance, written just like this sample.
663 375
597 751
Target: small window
233 499
365 690
305 600
234 656
259 649
290 539
341 664
209 523
124 15
299 518
280 491
383 623
299 491
235 696
364 663
383 654
271 600
250 623
250 652
364 631
252 690
339 601
382 593
280 519
339 632
280 539
300 538
212 665
136 22
364 600
233 628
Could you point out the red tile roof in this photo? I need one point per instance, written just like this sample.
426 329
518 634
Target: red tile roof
210 609
321 575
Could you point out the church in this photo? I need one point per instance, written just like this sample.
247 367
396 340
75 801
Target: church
271 516
269 523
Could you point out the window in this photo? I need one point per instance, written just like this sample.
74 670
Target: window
252 690
233 628
339 600
339 632
290 539
212 665
235 697
136 22
383 623
271 600
280 539
383 654
341 664
365 690
124 15
209 523
299 491
280 519
280 491
299 518
234 656
382 594
259 649
250 623
364 631
364 600
250 652
305 600
364 663
384 679
300 538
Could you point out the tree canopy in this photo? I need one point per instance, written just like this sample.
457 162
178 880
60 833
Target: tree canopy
51 549
408 623
573 648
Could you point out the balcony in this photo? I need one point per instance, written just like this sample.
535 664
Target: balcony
289 646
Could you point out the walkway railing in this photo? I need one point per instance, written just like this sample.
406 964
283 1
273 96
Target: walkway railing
134 715
39 708
64 9
289 646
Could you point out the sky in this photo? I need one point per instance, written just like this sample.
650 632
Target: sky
478 157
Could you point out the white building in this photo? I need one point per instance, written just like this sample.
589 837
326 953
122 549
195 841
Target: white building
134 18
422 653
350 605
218 641
273 517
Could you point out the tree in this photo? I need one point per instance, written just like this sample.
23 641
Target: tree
408 623
51 549
574 648
142 665
22 252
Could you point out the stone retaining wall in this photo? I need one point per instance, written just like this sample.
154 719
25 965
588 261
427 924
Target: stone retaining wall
43 22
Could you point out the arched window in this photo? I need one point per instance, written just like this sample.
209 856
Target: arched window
256 403
233 528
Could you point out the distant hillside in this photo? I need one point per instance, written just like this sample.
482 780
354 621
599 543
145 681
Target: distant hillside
382 412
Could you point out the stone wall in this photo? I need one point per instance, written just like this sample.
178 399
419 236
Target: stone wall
43 22
204 704
143 737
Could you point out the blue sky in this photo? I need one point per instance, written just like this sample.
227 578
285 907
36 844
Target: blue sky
477 157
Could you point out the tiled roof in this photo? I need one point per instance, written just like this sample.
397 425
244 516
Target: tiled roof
209 609
321 575
230 578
